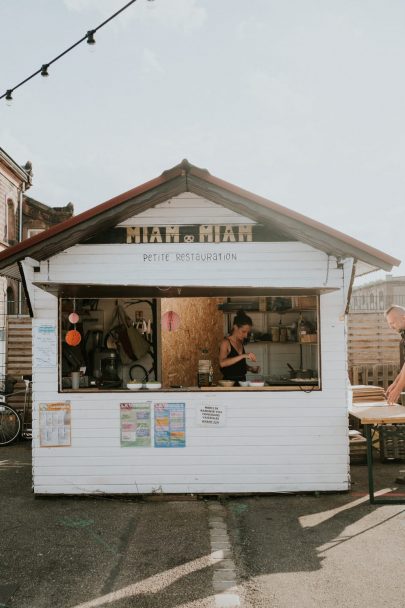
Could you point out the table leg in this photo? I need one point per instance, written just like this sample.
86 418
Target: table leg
373 499
367 428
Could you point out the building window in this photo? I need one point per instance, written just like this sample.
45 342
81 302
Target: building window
33 231
11 304
11 227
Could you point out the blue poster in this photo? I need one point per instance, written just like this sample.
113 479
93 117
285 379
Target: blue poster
170 428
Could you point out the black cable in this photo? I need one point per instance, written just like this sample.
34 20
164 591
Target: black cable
89 33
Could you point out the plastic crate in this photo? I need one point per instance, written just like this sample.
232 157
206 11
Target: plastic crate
392 442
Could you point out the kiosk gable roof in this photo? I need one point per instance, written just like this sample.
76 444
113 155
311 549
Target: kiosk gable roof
185 177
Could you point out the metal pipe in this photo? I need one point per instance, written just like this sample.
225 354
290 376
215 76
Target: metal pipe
20 238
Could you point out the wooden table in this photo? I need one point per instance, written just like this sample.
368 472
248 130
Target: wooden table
374 416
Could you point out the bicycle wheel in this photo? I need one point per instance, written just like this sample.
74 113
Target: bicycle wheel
10 425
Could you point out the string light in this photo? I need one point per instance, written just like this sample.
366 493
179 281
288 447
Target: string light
43 70
90 38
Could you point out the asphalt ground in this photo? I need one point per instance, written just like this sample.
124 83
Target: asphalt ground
80 552
326 550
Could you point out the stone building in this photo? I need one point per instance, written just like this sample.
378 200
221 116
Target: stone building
14 181
21 217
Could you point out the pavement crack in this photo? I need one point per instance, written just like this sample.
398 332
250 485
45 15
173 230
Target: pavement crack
125 539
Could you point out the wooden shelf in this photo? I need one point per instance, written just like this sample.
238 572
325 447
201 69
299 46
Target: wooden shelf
275 312
286 342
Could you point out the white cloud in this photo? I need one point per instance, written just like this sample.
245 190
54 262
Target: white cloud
150 62
101 6
186 15
250 28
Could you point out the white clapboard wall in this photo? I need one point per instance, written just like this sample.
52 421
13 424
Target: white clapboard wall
197 209
271 442
285 264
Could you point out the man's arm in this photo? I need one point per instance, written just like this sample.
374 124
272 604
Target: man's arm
394 390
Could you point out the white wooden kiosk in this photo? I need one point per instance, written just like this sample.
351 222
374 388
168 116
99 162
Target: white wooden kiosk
188 234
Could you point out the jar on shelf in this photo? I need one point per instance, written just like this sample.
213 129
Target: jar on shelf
275 333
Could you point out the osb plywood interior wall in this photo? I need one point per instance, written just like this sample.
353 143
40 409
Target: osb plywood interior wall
201 326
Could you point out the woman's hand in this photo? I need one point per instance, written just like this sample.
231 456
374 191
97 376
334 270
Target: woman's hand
251 357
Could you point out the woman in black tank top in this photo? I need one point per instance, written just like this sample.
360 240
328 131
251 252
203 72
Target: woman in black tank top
232 356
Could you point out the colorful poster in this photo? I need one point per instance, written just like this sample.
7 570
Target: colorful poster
135 425
54 425
170 428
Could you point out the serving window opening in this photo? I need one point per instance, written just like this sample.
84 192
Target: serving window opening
172 343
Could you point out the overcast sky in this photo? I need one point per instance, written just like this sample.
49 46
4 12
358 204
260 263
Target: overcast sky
300 101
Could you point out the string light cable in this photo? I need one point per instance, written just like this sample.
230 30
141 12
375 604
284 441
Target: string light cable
89 37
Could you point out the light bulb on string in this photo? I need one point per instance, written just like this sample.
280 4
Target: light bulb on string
91 41
88 37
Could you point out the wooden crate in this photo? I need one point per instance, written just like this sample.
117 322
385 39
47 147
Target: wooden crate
377 374
304 302
358 447
307 338
392 442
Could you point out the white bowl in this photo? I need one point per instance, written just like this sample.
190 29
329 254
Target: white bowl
243 382
257 383
134 386
226 383
153 385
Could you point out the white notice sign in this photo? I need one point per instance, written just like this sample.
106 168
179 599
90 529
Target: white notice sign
211 414
45 345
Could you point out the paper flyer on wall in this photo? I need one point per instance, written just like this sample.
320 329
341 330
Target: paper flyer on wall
135 424
55 425
170 430
211 414
45 345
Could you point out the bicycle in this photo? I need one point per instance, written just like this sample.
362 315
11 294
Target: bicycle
13 423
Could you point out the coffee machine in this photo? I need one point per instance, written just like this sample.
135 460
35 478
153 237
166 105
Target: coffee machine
105 366
102 361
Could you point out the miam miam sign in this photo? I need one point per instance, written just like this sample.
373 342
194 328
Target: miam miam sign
203 233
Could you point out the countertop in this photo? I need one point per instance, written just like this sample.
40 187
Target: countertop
190 389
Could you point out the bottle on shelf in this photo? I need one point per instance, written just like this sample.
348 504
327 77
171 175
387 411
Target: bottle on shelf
204 365
293 332
302 327
282 332
211 376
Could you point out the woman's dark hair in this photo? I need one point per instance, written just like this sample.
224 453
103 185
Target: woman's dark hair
242 318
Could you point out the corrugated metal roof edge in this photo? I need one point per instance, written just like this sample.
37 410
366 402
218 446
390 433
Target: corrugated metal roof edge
302 218
183 169
76 220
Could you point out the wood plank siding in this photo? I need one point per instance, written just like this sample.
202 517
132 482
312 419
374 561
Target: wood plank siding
228 264
272 442
373 349
370 340
19 354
